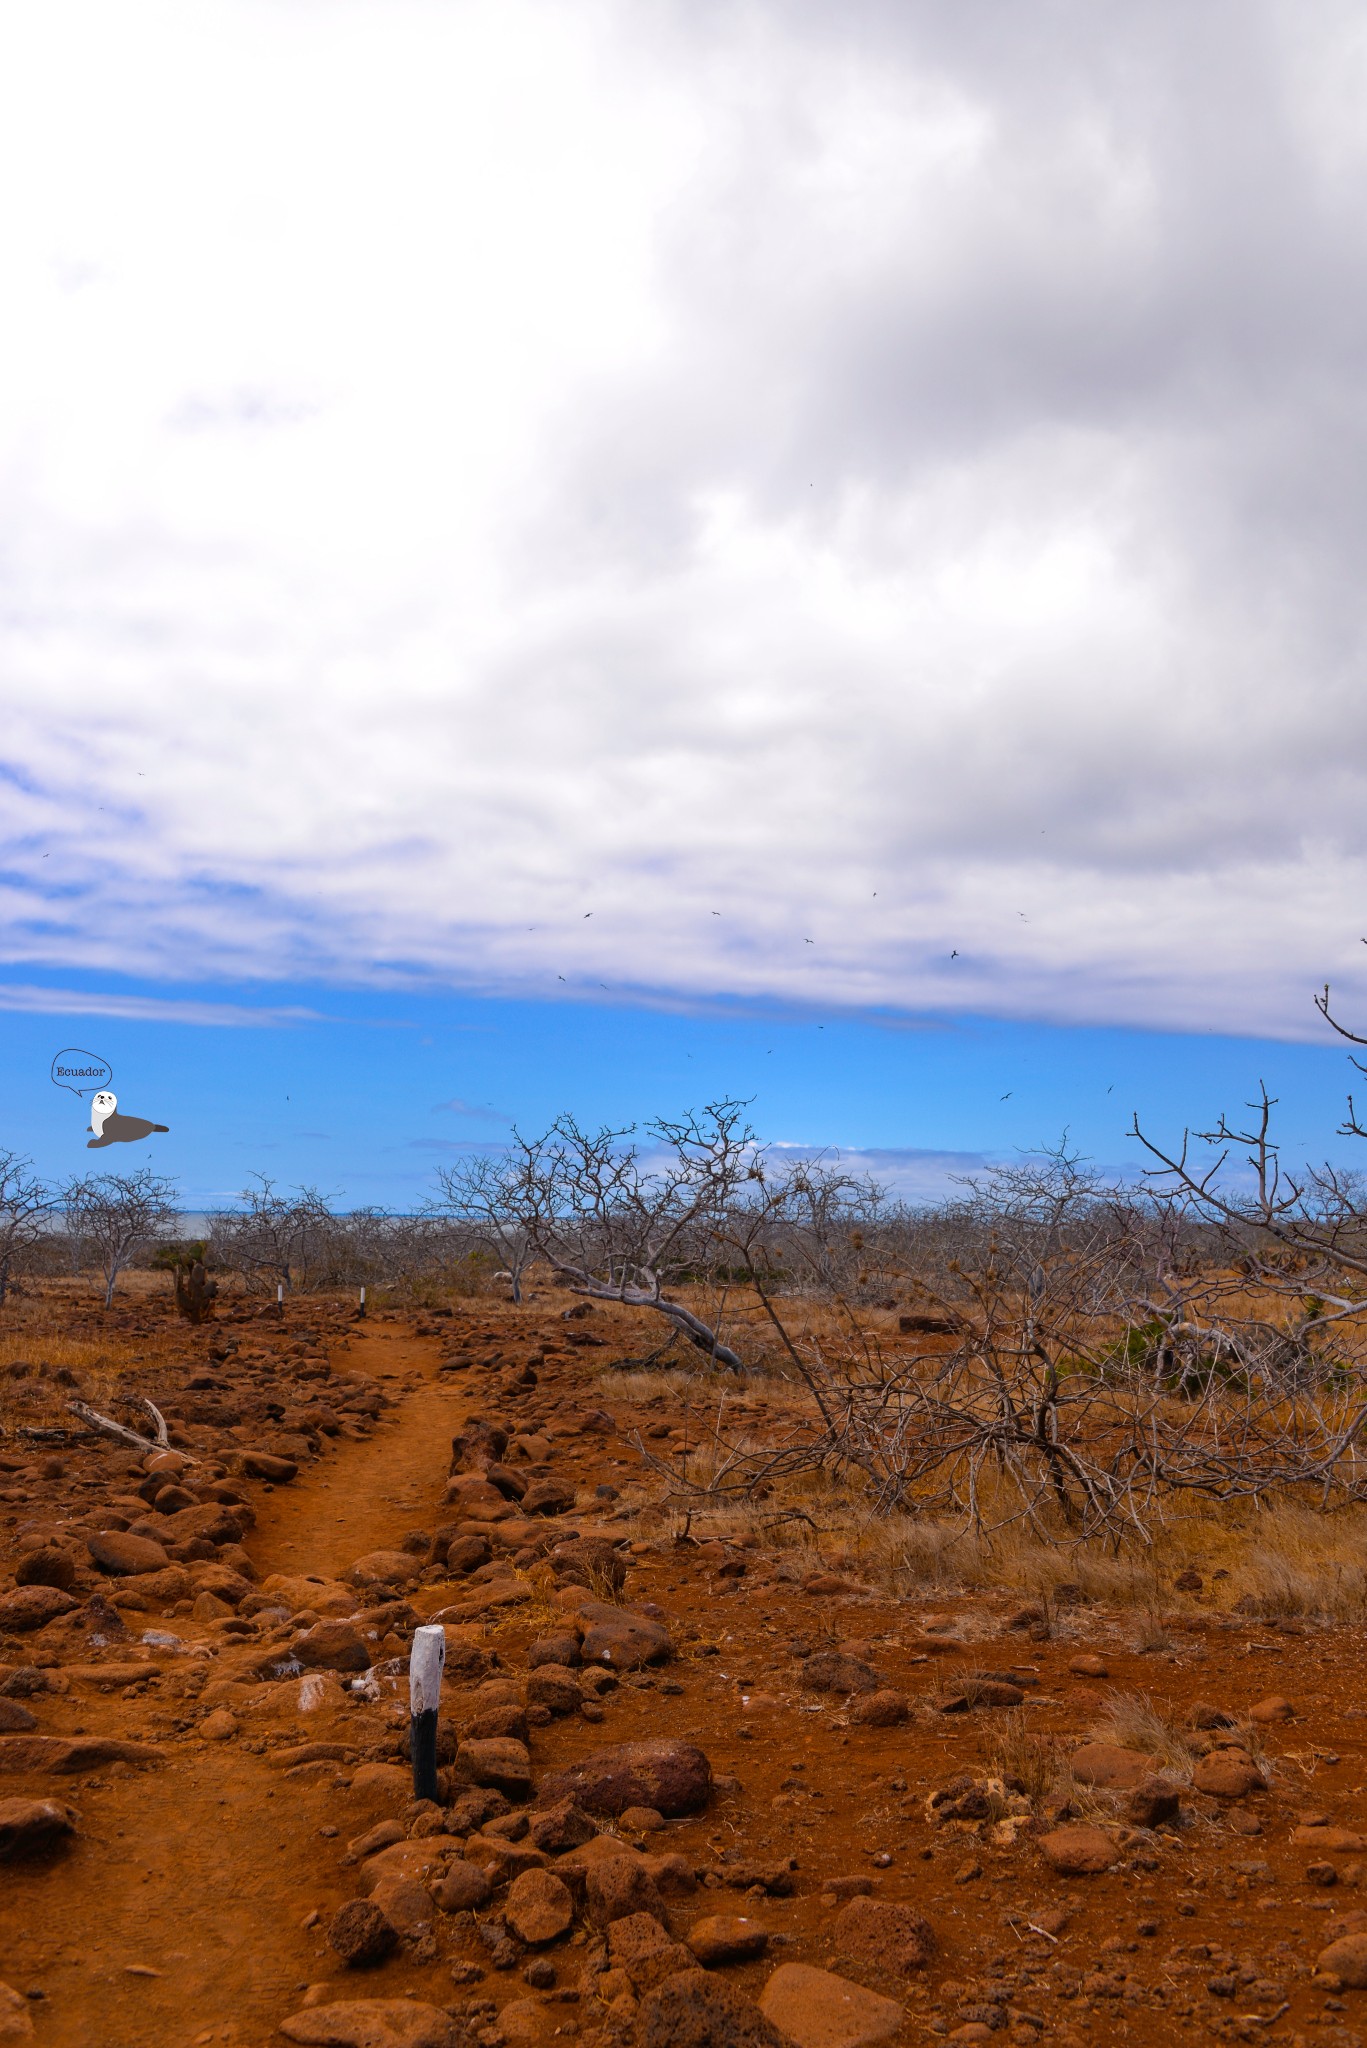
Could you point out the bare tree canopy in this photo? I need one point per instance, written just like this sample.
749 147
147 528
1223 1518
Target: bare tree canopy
113 1218
26 1205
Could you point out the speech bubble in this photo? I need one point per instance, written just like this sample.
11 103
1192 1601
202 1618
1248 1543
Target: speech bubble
81 1072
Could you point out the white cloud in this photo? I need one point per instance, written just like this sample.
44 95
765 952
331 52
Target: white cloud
469 465
73 1002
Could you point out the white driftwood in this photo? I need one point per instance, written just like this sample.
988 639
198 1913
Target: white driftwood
426 1662
161 1442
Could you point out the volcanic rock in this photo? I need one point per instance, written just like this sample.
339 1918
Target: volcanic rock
832 1671
498 1761
33 1827
640 1944
1227 1774
73 1753
125 1556
373 2023
673 1777
727 1938
817 2009
694 2010
32 1607
539 1908
1108 1765
47 1565
881 1936
1077 1850
335 1645
463 1887
361 1934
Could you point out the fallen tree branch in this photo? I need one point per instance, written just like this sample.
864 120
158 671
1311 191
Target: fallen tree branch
161 1442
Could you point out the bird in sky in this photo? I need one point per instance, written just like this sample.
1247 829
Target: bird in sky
955 954
716 913
112 1129
1009 1093
809 942
560 977
588 913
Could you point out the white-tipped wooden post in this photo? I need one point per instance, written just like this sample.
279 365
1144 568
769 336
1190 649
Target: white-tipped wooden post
426 1661
363 1301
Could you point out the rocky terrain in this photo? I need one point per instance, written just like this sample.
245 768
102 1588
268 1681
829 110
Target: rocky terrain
692 1793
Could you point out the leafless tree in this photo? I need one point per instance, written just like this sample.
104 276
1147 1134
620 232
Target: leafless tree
273 1239
116 1217
26 1204
487 1196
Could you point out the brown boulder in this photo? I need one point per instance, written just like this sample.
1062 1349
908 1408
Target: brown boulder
1329 1841
621 1640
335 1645
590 1561
1228 1774
879 1935
125 1556
642 1945
406 1904
384 1568
373 2023
15 2024
1271 1710
552 1686
498 1761
1077 1850
832 1671
262 1465
463 1887
884 1709
817 2009
548 1497
73 1753
1155 1801
1346 1959
694 2010
539 1908
726 1938
47 1565
32 1607
33 1827
673 1777
619 1886
361 1934
1107 1765
14 1719
559 1827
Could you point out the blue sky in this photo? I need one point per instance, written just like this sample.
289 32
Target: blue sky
611 554
364 1095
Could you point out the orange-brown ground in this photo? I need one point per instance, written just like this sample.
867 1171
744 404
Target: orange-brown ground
193 1902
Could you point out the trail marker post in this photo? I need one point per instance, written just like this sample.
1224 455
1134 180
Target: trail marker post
427 1660
363 1301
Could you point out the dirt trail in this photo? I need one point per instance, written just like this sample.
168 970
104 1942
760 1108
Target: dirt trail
202 1874
356 1499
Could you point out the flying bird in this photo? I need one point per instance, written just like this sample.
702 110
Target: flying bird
112 1129
809 942
588 913
1007 1097
955 954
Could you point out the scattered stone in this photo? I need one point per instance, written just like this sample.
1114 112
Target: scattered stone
560 1650
548 1497
834 1672
817 2009
499 1761
33 1827
73 1754
554 1686
694 2010
261 1465
361 1934
463 1887
1273 1709
1156 1801
47 1565
1346 1959
14 1719
879 1935
15 2024
883 1709
1078 1850
1329 1841
559 1827
32 1607
1189 1582
1110 1767
539 1908
1203 1715
125 1556
333 1645
1089 1666
642 1945
622 1640
619 1886
726 1938
673 1777
219 1726
1227 1774
374 2023
405 1904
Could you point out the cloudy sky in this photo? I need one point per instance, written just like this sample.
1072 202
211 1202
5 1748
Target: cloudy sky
848 506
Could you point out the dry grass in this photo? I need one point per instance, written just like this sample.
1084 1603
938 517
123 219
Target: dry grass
1021 1756
1132 1721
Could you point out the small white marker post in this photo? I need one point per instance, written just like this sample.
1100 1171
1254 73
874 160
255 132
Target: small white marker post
363 1301
426 1661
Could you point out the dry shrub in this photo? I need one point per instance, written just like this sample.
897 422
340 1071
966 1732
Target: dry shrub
1020 1755
1131 1720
